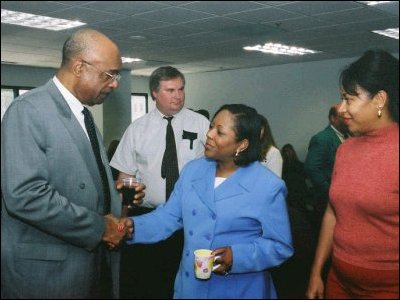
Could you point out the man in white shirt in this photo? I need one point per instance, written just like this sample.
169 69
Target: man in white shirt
149 270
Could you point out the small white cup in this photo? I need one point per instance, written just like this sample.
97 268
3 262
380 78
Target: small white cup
204 263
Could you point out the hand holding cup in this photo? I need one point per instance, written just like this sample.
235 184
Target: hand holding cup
132 191
204 263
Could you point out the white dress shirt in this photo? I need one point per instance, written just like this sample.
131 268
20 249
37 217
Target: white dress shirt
142 147
73 103
339 134
273 161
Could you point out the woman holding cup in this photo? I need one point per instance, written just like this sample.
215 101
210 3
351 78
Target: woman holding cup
229 203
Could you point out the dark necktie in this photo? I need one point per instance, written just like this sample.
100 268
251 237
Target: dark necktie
169 167
89 124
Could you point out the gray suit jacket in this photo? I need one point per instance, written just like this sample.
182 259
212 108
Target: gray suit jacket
51 218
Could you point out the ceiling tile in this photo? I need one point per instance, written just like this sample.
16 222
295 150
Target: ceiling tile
126 8
311 8
391 7
84 15
214 23
299 24
221 8
131 24
264 15
349 16
32 7
206 36
174 15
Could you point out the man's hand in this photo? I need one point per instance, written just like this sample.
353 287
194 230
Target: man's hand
116 230
139 191
126 225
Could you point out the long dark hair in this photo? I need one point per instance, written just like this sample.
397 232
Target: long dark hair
267 139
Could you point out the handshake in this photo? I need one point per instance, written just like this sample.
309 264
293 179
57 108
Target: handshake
116 230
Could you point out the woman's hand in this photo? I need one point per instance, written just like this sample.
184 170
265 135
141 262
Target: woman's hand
315 288
224 258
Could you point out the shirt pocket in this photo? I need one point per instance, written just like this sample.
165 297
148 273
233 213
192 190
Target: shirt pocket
185 153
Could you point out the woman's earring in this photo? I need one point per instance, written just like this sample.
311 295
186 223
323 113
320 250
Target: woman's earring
380 111
237 153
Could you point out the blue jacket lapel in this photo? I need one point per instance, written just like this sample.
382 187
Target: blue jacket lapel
242 181
238 183
203 184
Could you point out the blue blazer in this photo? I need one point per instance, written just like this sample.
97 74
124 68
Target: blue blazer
247 212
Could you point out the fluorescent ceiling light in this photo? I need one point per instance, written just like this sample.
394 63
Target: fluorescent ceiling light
280 49
390 32
126 60
36 21
372 3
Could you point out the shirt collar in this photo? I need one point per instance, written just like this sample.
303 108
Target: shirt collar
73 102
175 116
338 133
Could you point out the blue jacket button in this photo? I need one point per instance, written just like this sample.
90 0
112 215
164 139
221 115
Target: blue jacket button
82 186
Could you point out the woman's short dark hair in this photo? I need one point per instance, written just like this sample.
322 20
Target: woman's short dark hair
247 125
163 73
376 70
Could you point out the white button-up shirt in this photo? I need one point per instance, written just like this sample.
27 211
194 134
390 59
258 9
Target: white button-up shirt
142 147
339 134
73 103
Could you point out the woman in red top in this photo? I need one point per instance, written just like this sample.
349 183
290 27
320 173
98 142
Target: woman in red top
361 224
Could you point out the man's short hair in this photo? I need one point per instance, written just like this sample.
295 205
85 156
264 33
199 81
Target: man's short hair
161 74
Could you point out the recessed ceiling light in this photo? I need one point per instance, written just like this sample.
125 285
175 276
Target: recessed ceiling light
126 60
389 32
280 49
37 21
137 37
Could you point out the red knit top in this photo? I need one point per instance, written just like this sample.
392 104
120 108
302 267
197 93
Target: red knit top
364 193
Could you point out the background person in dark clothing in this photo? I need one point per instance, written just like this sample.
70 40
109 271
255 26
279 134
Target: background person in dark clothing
291 278
320 160
110 153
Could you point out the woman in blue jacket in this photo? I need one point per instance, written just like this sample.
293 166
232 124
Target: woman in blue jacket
230 203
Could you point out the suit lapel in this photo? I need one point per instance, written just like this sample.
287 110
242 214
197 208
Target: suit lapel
203 184
242 181
76 132
237 184
334 137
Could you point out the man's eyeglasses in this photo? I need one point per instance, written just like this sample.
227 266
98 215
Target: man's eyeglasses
110 77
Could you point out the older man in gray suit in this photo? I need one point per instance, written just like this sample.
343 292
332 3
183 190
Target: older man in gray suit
59 199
